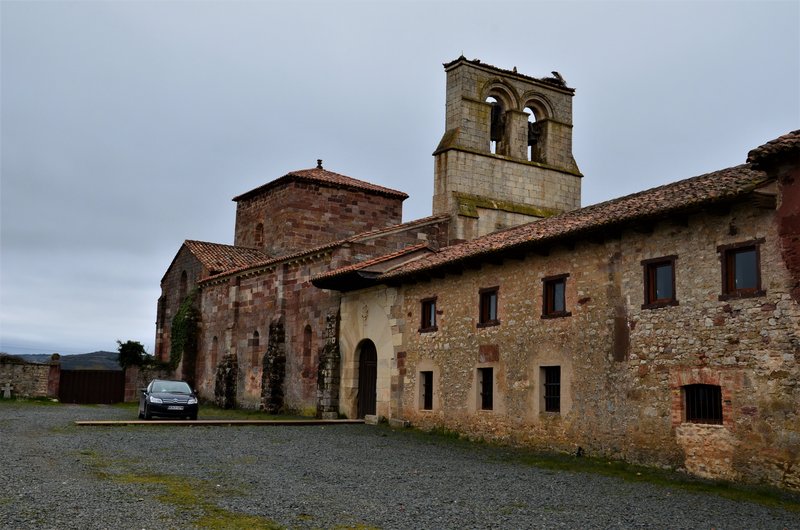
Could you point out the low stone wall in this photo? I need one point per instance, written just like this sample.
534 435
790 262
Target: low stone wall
136 378
29 380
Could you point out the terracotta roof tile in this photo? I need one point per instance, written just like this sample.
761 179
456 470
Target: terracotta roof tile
267 261
217 257
680 196
323 176
786 145
373 261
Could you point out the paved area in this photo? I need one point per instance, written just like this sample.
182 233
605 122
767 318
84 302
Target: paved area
55 474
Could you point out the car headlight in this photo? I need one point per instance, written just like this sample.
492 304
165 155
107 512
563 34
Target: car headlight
156 400
192 401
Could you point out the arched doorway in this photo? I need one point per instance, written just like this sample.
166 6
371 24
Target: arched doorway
367 378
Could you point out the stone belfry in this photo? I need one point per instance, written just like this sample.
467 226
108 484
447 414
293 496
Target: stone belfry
506 155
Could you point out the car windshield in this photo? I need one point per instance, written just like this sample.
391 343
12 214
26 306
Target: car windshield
173 387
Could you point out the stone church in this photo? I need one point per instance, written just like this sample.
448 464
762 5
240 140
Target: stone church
661 327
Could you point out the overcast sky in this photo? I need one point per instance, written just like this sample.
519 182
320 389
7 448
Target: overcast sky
127 127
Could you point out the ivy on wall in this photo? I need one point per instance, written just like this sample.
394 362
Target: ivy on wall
183 336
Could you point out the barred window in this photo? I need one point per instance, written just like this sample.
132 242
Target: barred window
426 389
551 375
703 403
486 387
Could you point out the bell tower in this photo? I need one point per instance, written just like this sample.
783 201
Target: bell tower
506 155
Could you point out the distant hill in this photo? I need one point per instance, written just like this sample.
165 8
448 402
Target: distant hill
97 360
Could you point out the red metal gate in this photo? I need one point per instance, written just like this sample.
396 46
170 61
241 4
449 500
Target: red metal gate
92 386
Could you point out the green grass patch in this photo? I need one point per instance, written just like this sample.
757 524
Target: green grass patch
764 495
192 496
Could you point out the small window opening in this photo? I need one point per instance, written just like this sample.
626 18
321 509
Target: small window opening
307 345
426 389
703 403
214 354
554 296
741 270
659 282
496 124
183 287
486 388
259 239
428 312
551 375
254 342
488 307
533 132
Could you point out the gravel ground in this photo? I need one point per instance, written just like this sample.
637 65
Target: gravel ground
56 475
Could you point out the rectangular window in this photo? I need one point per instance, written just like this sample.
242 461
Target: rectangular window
428 319
551 377
426 388
703 403
659 282
741 270
554 296
486 387
488 307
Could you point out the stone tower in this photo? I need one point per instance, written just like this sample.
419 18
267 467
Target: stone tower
506 155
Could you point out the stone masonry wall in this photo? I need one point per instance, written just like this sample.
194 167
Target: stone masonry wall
548 183
171 299
623 367
301 215
26 379
234 308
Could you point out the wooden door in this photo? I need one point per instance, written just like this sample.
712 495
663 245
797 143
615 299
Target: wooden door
367 379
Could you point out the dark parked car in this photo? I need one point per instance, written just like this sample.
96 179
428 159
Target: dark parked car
170 399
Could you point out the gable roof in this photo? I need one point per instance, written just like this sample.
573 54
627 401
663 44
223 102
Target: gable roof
268 261
217 257
680 197
324 177
787 145
362 274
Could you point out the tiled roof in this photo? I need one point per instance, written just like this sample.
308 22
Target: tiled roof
217 257
787 144
362 265
552 81
267 261
323 176
682 196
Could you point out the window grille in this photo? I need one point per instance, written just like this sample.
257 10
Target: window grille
552 388
486 383
703 403
426 379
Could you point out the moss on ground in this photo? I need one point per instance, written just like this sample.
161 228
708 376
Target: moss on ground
764 495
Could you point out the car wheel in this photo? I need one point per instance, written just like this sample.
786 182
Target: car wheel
147 414
193 417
